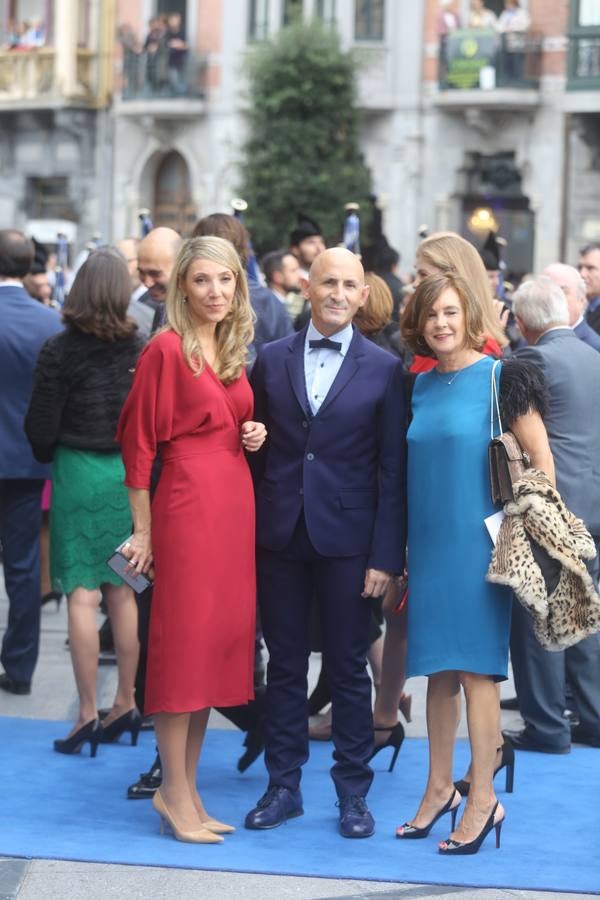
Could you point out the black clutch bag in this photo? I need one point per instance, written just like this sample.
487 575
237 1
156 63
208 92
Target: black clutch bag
119 563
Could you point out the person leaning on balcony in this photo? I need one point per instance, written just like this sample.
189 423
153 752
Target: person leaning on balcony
513 24
482 17
512 17
178 51
155 49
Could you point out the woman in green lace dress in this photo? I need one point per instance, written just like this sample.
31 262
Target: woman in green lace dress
82 378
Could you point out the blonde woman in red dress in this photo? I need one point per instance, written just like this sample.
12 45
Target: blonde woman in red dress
191 404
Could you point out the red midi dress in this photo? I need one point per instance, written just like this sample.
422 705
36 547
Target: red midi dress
202 621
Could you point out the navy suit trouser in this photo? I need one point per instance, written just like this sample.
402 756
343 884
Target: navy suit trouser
288 583
20 525
541 676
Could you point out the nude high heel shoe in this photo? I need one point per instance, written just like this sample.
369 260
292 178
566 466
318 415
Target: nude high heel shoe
217 827
200 836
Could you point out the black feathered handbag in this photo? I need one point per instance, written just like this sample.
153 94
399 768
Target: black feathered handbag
507 460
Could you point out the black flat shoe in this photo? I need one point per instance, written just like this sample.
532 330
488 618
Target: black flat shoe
12 686
88 733
52 597
148 784
506 762
394 740
466 848
130 721
413 832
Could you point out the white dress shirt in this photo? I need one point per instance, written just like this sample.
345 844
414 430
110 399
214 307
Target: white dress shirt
322 365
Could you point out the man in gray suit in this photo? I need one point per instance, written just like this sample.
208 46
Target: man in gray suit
572 374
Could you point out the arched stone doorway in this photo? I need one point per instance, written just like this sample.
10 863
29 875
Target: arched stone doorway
173 205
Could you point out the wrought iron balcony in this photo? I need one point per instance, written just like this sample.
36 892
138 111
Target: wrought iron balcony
483 60
584 62
148 76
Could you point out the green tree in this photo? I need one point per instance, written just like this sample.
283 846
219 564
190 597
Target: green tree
302 152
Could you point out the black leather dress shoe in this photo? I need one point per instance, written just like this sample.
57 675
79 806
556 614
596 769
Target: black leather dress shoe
355 819
275 807
521 740
580 735
13 686
509 703
149 783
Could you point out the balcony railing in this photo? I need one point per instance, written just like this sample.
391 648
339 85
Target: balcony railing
584 62
471 59
30 77
148 75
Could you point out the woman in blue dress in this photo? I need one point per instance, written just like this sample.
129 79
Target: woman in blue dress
458 624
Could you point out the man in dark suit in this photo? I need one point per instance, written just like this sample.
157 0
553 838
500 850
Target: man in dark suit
24 326
573 287
572 374
589 269
331 526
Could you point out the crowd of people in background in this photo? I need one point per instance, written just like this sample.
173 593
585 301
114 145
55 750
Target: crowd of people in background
177 373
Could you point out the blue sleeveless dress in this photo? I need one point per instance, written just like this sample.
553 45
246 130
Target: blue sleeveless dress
456 619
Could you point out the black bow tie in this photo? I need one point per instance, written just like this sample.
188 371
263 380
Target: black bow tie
325 344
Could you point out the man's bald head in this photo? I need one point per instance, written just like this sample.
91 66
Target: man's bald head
336 290
337 256
573 287
156 259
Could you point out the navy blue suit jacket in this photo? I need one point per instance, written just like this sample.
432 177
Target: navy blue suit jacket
587 334
24 326
346 466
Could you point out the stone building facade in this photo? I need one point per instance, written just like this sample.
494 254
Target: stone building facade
456 127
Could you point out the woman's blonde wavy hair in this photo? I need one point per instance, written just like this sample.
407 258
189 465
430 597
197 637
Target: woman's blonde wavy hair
235 332
450 253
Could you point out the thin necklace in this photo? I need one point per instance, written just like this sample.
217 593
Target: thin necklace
442 375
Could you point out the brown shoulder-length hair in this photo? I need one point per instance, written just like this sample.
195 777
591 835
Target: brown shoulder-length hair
99 297
376 312
420 305
448 252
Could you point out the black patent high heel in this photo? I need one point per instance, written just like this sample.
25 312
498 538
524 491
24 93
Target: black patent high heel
506 762
130 721
50 597
90 732
465 848
414 832
394 740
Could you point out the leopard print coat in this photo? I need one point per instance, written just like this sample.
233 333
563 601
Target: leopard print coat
571 611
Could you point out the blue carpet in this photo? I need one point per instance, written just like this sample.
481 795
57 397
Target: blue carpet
74 807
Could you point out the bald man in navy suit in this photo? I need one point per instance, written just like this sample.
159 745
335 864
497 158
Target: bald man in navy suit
331 526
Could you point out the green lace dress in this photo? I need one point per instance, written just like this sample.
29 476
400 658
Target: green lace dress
89 517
